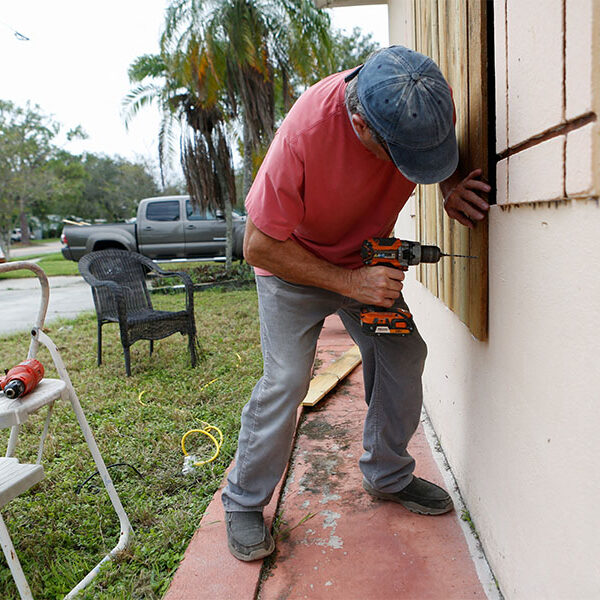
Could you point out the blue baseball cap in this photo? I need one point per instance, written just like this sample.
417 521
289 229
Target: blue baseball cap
409 104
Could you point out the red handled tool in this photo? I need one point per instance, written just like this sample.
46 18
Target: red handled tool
22 379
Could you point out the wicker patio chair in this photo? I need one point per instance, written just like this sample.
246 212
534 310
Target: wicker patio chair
118 280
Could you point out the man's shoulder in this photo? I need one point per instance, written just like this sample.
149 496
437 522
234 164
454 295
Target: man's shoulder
320 104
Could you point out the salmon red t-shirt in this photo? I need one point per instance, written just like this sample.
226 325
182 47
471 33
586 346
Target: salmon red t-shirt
319 186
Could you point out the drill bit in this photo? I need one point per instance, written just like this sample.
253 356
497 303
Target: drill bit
458 255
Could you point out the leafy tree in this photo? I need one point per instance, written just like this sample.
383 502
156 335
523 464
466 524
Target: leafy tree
8 212
349 51
170 80
26 145
37 178
29 183
69 182
112 188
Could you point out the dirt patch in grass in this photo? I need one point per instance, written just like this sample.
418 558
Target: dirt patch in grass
241 273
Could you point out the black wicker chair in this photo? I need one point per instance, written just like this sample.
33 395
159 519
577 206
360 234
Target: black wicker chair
118 280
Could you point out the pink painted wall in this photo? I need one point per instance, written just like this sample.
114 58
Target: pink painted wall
518 415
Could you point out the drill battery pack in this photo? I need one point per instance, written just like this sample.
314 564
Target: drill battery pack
381 321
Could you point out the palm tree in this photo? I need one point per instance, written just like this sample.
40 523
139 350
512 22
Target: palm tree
220 63
172 81
248 46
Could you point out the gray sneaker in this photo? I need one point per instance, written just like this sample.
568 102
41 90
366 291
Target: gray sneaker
247 537
419 496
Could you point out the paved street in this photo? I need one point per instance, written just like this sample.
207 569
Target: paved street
20 298
20 301
47 248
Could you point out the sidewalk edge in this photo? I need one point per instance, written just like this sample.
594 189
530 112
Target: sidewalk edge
482 567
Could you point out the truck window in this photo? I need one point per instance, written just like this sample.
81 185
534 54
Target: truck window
167 210
198 214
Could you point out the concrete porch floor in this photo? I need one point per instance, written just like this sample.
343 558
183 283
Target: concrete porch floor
333 540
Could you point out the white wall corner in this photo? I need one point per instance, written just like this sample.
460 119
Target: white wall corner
535 67
406 225
537 174
500 75
502 181
342 3
401 20
595 75
579 161
579 58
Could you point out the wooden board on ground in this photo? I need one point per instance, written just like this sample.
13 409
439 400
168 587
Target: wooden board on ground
325 381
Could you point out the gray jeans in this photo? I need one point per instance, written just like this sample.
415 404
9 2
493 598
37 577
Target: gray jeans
291 318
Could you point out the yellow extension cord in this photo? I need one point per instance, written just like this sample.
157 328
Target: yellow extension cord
205 431
207 427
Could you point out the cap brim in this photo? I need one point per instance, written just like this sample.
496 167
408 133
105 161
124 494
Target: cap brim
427 166
353 74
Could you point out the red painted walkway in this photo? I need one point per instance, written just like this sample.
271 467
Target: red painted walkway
333 540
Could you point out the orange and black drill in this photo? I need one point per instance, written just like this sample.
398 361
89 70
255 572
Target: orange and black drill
398 254
22 379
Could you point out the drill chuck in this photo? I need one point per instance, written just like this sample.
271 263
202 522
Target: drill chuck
430 254
14 389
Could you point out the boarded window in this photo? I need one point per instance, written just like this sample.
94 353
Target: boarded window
454 33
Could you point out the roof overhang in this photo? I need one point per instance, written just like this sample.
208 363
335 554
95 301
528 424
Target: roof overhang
341 3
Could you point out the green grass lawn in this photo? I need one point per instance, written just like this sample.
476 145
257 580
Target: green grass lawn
53 264
60 534
201 272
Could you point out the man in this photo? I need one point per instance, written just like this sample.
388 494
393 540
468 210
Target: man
341 166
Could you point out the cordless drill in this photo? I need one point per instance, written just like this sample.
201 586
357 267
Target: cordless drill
22 379
398 254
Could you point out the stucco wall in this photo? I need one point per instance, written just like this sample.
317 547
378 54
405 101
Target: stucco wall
518 416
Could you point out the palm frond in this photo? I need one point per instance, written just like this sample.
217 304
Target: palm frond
139 97
147 65
166 144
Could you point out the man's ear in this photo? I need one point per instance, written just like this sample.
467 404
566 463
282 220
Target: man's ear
359 124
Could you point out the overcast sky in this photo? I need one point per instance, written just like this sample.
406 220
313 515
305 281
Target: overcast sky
74 63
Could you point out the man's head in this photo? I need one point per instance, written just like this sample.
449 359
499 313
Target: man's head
401 106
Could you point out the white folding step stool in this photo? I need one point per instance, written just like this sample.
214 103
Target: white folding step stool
17 478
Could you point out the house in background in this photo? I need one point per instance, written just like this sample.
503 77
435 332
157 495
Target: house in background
512 380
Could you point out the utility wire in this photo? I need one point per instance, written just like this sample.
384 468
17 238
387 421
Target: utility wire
19 36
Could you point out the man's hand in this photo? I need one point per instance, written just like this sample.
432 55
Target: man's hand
462 200
379 286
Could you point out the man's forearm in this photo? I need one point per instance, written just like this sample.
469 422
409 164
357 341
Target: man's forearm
379 285
290 261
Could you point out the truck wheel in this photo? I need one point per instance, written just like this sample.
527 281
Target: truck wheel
107 245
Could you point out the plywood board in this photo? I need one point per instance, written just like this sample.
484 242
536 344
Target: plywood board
454 34
327 379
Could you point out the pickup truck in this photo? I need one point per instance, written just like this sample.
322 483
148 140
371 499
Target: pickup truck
166 228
